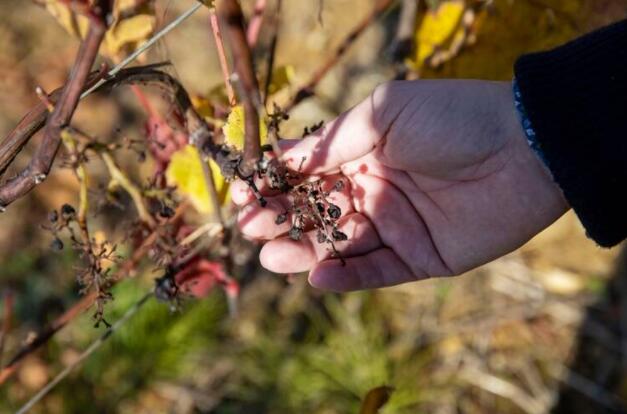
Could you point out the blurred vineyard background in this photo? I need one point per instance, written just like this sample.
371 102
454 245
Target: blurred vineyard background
541 329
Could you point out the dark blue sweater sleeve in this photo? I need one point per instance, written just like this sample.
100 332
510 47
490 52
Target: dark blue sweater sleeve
576 99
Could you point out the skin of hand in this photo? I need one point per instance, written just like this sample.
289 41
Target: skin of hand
439 180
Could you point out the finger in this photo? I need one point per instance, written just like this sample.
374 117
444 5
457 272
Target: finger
351 135
260 222
285 255
242 194
379 268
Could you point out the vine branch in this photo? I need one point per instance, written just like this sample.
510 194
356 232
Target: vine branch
231 12
39 166
307 90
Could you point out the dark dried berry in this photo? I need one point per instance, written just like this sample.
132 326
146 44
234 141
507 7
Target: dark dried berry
339 186
320 207
166 288
321 237
67 210
334 211
56 245
167 212
295 233
280 219
53 216
339 236
284 187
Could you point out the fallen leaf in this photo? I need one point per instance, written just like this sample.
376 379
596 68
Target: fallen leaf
375 399
562 282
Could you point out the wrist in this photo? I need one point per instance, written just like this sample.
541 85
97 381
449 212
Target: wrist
530 156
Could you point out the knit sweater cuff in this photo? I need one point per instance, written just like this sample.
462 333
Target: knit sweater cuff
576 99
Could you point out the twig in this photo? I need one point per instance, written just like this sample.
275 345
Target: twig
7 316
143 100
198 130
572 22
84 303
33 121
81 175
307 90
39 166
254 25
231 13
404 37
588 388
320 10
209 229
502 388
211 188
36 118
224 65
272 50
118 177
145 46
86 353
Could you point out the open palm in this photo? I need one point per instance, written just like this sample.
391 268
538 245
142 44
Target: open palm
440 179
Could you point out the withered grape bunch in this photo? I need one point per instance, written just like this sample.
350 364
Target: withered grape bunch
309 205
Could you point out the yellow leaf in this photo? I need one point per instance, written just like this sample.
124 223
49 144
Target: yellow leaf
437 26
218 94
282 77
73 24
202 106
132 25
234 128
186 173
127 34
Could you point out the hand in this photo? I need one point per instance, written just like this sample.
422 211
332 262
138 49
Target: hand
440 179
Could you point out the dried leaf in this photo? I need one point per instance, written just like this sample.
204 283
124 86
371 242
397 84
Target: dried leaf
200 276
375 399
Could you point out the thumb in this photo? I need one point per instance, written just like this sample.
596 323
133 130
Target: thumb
351 135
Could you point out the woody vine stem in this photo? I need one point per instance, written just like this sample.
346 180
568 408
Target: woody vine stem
309 207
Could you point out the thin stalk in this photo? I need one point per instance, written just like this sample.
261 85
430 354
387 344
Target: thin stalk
224 65
85 354
145 46
254 26
231 13
120 178
307 90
